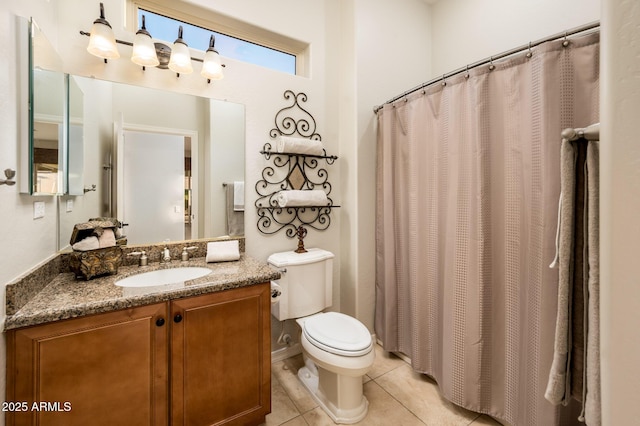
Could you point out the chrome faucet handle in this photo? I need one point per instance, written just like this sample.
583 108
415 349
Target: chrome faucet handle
185 252
143 257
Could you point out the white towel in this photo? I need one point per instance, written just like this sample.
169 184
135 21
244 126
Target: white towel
302 198
223 251
299 146
238 196
107 239
89 243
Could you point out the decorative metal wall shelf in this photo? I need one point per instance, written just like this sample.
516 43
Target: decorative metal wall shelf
293 171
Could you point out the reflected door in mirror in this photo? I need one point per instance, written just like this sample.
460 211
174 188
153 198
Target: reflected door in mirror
153 187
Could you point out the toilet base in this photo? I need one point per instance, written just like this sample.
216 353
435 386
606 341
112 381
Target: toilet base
324 382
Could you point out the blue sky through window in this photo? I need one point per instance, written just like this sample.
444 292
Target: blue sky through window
166 29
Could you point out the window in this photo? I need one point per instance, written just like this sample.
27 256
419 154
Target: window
286 56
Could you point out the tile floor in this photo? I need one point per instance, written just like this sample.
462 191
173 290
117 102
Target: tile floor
397 396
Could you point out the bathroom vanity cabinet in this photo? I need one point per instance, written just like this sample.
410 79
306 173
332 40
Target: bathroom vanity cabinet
200 360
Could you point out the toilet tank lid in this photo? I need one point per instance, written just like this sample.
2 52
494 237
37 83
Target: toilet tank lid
291 258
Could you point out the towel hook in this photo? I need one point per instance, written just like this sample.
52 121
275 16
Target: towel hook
9 173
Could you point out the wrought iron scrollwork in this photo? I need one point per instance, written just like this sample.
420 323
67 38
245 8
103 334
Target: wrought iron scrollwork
295 119
293 171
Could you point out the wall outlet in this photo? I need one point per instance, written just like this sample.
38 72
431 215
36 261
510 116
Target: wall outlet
38 209
69 206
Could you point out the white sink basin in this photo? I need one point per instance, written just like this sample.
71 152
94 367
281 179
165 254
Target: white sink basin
164 276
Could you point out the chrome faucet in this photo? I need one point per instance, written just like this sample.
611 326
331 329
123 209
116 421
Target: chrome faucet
166 255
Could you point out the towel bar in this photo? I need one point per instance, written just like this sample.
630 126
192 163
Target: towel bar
590 133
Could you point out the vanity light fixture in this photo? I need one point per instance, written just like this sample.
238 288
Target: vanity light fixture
102 42
180 60
144 51
212 67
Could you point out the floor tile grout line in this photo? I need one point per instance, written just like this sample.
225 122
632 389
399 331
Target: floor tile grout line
396 399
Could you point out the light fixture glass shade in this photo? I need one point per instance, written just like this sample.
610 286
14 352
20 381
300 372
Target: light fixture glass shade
144 51
102 42
212 67
180 60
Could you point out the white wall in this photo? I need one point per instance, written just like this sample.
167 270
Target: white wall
619 206
466 31
385 48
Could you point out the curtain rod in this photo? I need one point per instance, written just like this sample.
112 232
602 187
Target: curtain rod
490 59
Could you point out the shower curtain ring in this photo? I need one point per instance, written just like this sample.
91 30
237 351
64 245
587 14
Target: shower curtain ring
491 66
466 71
529 53
444 82
565 43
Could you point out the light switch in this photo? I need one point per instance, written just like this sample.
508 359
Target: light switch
38 209
69 206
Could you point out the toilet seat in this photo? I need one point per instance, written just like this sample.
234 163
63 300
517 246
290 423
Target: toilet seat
338 333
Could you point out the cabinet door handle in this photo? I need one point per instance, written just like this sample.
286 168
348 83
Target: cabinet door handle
177 318
160 322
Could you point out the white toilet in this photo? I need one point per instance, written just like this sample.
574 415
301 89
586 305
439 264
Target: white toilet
338 349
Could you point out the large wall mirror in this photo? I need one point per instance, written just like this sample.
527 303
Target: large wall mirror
164 163
80 148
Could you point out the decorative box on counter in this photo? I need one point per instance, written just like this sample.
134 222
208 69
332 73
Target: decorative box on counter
97 250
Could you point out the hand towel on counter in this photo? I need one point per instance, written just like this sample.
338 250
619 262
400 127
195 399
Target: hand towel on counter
291 145
302 198
223 251
89 243
238 196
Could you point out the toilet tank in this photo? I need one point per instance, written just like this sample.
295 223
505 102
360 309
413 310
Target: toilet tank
306 282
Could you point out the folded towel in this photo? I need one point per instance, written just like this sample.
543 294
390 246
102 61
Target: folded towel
302 198
238 196
107 239
89 243
223 251
299 146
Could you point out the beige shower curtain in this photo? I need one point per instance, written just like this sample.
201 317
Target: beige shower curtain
467 197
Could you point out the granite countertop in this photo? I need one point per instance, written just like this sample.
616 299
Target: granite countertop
66 297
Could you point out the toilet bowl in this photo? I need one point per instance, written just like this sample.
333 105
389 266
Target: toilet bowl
338 351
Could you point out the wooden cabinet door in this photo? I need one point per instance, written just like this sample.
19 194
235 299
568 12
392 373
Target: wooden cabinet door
105 369
221 358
